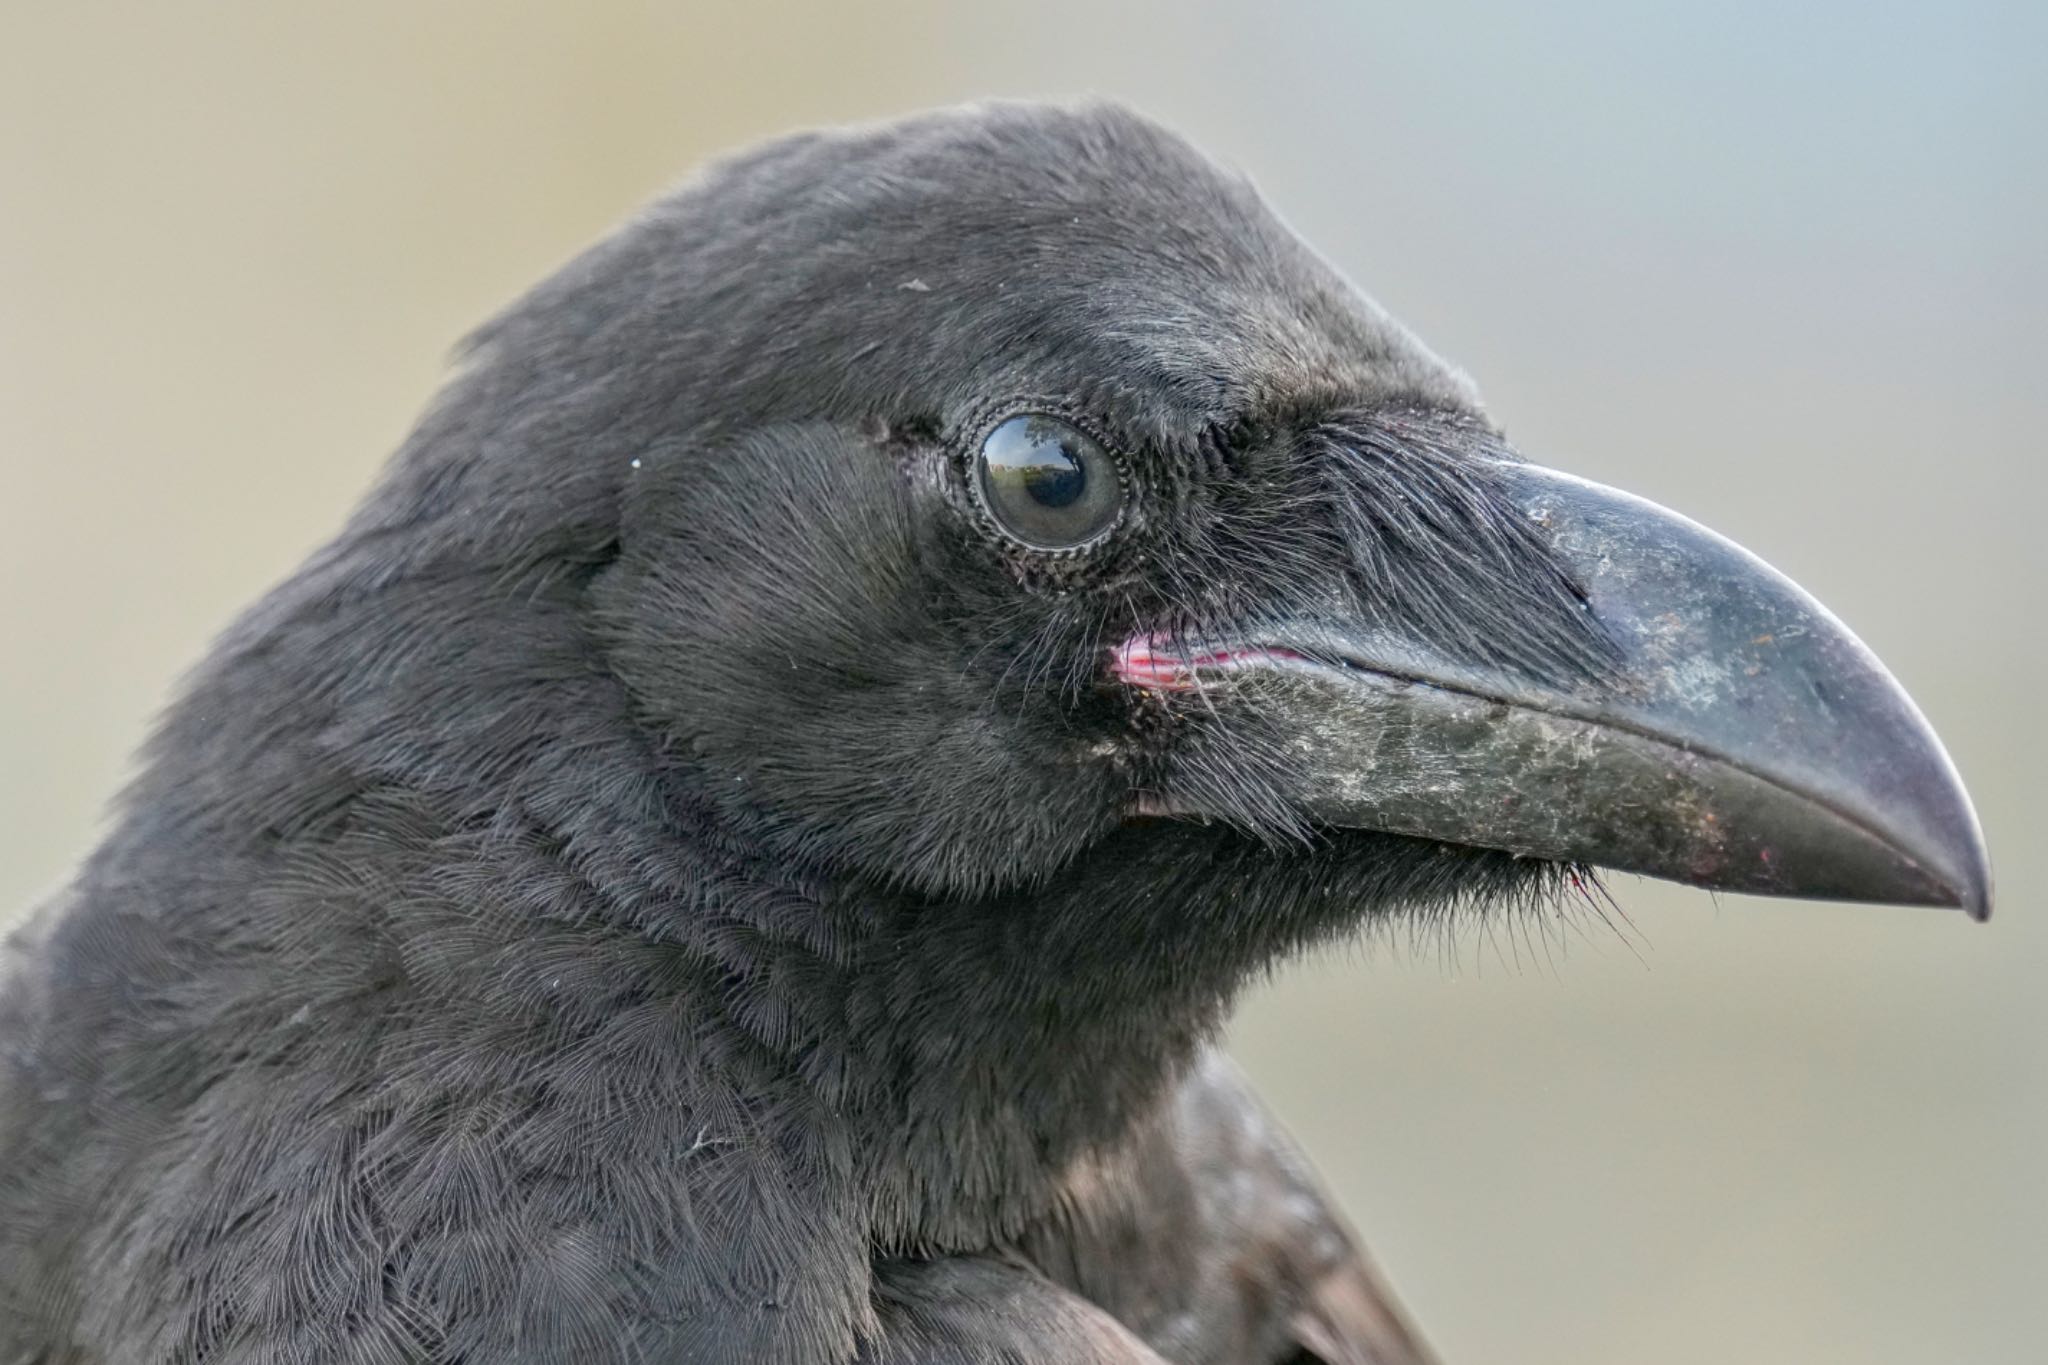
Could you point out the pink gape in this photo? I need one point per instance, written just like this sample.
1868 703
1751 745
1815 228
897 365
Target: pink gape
1155 662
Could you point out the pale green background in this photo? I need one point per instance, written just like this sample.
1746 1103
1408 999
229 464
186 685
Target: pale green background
1783 271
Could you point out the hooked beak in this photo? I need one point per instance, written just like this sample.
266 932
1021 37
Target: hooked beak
1744 740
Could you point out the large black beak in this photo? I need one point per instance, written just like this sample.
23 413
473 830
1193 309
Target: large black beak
1744 740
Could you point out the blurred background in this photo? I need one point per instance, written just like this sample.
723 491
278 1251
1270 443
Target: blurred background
1778 266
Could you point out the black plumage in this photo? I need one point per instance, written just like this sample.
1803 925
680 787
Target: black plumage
676 880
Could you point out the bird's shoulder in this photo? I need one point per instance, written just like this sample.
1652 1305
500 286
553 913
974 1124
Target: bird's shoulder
1208 1233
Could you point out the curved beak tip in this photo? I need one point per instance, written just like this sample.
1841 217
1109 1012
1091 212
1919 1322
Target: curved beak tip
1972 891
1954 877
1965 877
1928 848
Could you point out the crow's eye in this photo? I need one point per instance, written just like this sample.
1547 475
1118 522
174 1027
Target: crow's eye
1049 484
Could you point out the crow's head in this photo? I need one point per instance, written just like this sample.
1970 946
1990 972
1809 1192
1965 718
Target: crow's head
1035 481
1005 485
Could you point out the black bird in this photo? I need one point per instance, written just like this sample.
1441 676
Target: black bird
740 847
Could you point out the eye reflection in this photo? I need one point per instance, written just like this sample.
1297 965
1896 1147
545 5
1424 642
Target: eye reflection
1048 483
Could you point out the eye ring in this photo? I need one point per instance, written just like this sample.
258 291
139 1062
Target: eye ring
1046 483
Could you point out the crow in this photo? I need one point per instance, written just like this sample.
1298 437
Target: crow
741 847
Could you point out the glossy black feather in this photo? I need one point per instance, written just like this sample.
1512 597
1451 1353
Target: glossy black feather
665 873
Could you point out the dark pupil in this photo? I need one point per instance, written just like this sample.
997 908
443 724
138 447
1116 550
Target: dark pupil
1053 477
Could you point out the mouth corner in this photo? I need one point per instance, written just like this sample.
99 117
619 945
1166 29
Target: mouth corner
1156 662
